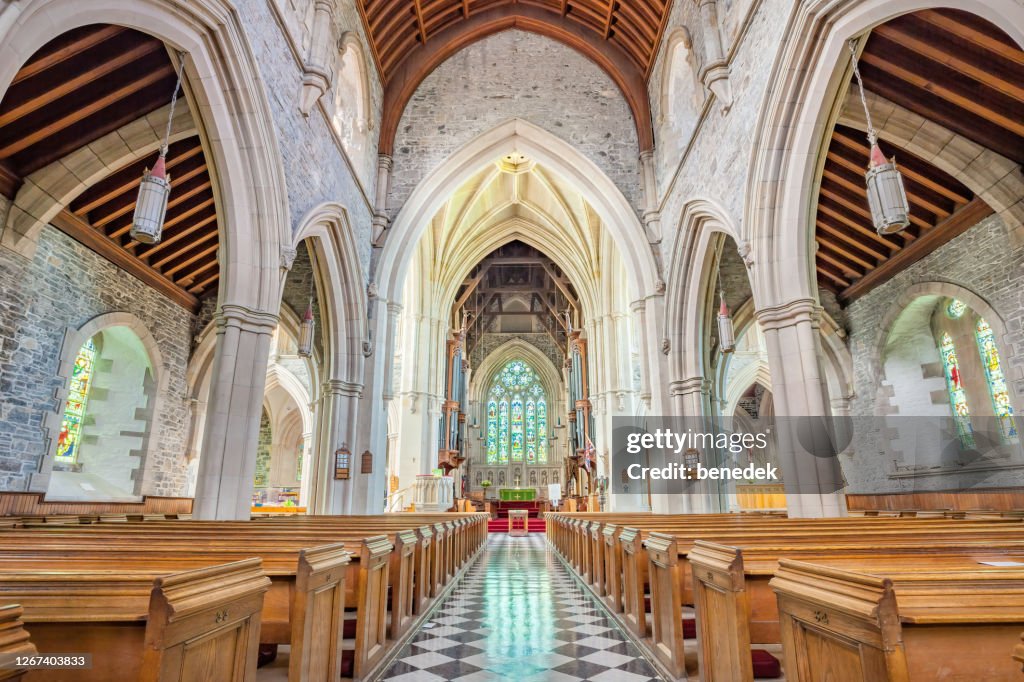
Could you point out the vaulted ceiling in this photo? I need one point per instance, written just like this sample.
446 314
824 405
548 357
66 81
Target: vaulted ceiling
954 69
81 87
410 38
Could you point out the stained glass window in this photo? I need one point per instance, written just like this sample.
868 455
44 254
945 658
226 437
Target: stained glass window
70 437
956 308
531 432
996 380
492 432
517 416
957 397
517 430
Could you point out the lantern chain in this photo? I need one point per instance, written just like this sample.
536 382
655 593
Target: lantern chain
174 102
872 133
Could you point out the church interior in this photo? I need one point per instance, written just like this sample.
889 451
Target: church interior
338 340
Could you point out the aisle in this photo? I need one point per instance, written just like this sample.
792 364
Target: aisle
518 615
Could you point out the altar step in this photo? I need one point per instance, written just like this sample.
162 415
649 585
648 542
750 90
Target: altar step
501 525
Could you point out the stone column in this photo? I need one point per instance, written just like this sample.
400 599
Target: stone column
380 203
316 74
691 399
652 216
793 343
338 423
715 72
228 461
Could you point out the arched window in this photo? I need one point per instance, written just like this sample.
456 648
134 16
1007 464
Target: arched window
996 381
957 395
70 437
517 416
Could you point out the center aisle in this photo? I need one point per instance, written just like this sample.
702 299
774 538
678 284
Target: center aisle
518 615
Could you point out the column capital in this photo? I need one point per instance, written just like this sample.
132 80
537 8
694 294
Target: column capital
385 162
342 388
789 314
246 319
689 386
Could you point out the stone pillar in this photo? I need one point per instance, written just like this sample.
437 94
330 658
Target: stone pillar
380 203
652 216
793 343
691 399
228 461
715 72
316 74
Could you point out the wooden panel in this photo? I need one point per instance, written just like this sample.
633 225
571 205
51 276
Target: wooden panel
33 504
996 499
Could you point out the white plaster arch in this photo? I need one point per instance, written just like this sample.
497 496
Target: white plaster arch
810 71
231 108
279 378
340 286
754 373
536 143
74 339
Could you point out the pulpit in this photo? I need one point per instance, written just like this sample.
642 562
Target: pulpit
434 494
518 522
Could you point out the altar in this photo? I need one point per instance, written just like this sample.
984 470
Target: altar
517 494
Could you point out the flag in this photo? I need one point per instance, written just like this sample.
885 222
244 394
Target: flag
588 455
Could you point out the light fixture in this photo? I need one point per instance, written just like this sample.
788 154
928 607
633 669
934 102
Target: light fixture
306 332
155 188
887 197
726 332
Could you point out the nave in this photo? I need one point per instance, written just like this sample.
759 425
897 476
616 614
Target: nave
519 614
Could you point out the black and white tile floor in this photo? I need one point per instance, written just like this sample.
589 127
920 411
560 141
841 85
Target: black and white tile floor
518 615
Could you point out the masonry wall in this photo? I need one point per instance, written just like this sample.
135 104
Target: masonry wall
66 285
315 168
515 74
981 260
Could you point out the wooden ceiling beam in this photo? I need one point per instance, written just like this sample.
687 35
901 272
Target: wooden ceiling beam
830 271
908 171
186 187
210 219
78 114
182 250
849 272
862 264
71 50
608 18
69 86
189 205
189 261
79 230
197 289
188 278
836 232
984 74
838 214
953 226
419 20
960 24
10 182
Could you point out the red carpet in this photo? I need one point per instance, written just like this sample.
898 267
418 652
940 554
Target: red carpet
501 525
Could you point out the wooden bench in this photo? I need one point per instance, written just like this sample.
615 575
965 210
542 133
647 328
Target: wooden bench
882 622
14 641
200 625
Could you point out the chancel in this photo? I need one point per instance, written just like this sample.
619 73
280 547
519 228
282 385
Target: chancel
422 340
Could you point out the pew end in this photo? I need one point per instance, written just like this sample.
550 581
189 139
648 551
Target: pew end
14 640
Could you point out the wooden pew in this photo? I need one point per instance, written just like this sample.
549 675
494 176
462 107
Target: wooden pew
200 625
732 593
368 586
880 622
14 641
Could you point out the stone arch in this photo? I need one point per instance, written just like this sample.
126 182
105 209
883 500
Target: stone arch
74 339
517 136
681 95
353 122
703 226
790 133
516 349
226 88
337 259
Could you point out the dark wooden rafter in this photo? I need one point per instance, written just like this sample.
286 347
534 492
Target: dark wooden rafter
950 67
410 38
80 86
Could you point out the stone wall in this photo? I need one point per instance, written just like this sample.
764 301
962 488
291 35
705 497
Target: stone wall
314 165
514 74
64 286
980 260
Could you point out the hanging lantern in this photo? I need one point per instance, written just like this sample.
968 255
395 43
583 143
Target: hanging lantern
151 206
887 198
155 188
726 333
306 332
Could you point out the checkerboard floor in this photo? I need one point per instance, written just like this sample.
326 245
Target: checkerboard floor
518 615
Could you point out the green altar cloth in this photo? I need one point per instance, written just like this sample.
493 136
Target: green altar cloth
518 494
